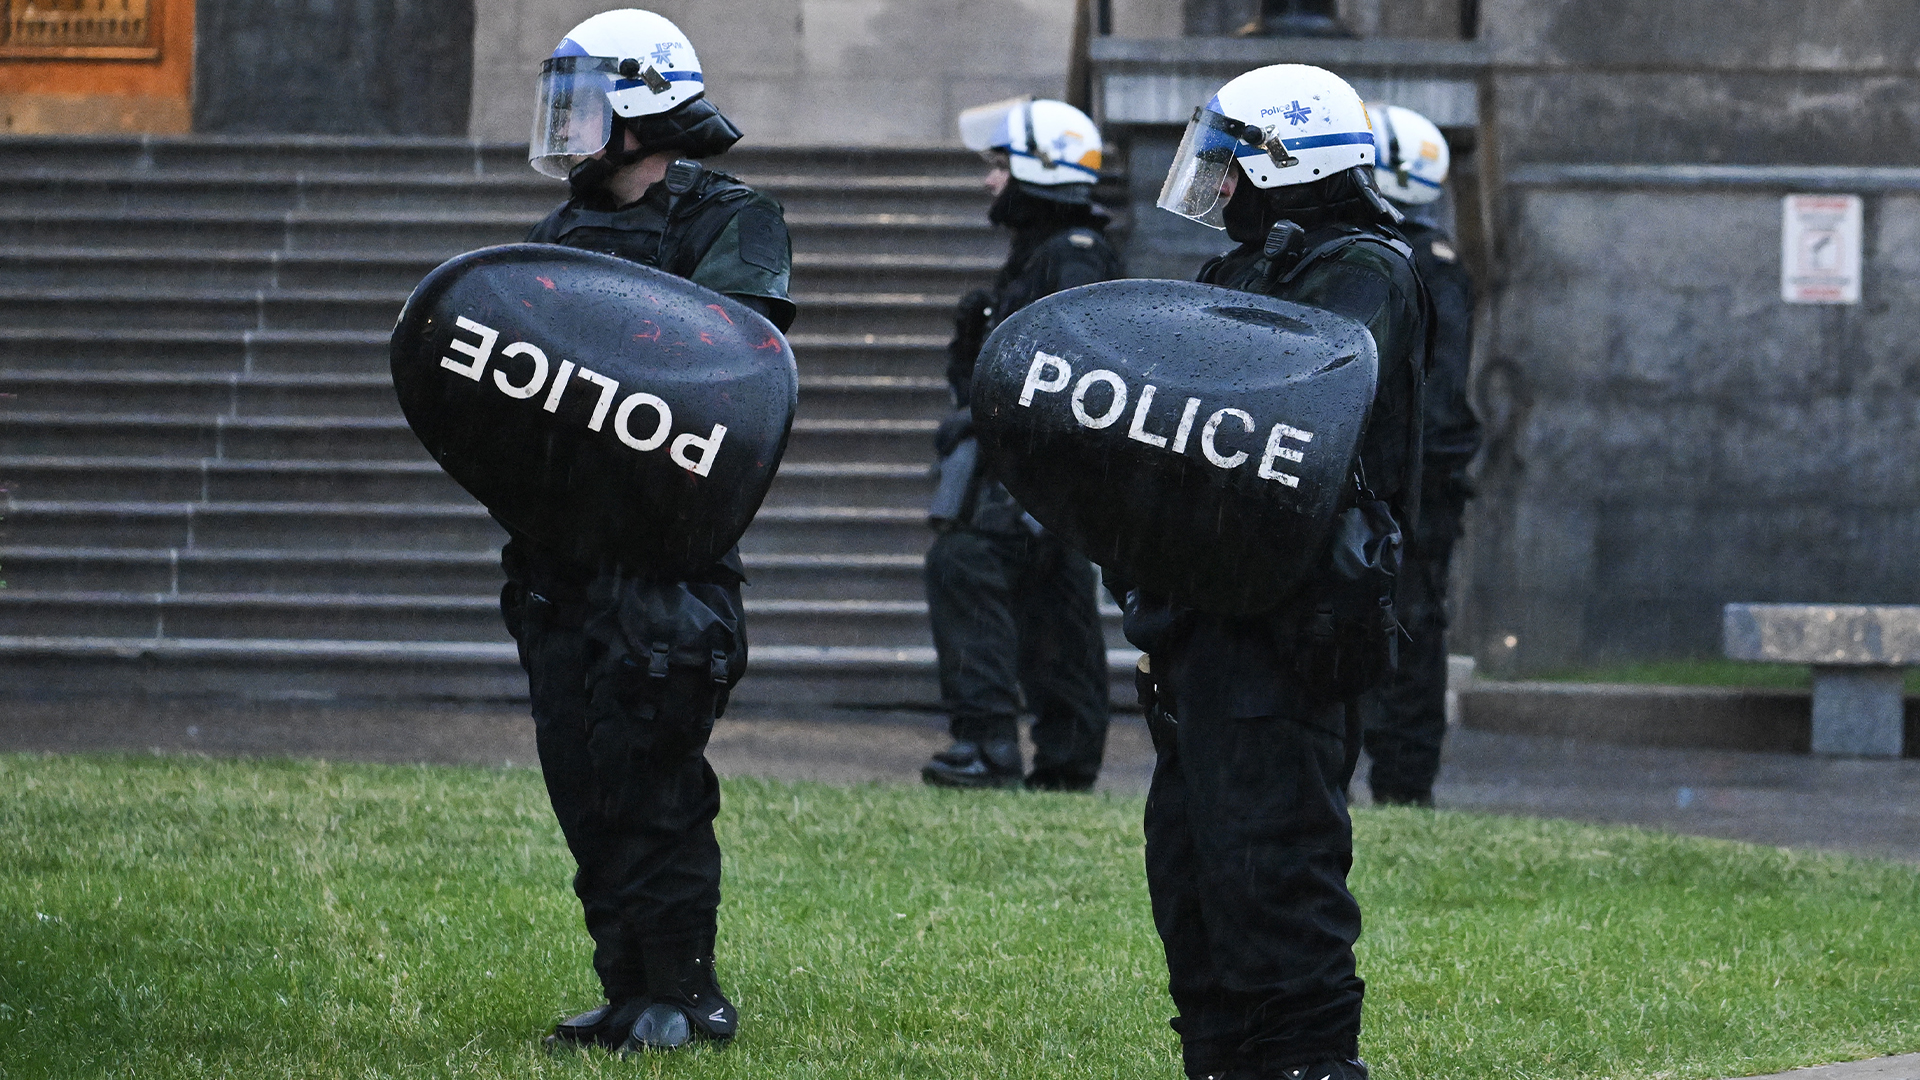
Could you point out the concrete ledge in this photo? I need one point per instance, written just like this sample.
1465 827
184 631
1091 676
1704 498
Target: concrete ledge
1864 634
1692 717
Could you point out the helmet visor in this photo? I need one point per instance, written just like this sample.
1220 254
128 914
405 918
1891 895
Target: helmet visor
1200 167
984 127
572 118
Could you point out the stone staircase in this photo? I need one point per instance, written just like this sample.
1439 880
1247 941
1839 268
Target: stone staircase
210 490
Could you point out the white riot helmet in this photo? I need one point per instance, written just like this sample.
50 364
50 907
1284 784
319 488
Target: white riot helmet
1047 142
628 63
1410 155
1285 124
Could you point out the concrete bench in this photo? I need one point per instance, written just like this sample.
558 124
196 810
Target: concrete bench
1858 652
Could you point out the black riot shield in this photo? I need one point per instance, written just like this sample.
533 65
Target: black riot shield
1197 440
605 409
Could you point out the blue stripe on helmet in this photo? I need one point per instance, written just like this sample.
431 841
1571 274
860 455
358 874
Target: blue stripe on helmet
1056 164
1344 138
1418 179
670 76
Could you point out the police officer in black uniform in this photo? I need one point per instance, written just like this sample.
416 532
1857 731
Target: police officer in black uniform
1406 717
1013 608
628 670
1254 719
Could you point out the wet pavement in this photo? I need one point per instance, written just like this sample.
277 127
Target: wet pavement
1868 807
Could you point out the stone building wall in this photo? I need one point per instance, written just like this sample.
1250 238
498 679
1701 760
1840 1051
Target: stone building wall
806 72
1668 434
295 67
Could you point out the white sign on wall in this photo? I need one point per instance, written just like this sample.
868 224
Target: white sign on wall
1820 249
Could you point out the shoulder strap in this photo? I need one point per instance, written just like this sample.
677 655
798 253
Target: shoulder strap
1325 243
691 227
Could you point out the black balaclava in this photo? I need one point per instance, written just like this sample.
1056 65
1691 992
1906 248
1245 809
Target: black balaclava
696 129
1347 197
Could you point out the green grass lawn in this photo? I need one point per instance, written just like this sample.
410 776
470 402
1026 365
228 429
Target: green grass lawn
174 917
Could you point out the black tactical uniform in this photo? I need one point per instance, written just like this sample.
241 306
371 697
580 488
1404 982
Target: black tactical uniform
629 671
1013 608
1248 838
1406 718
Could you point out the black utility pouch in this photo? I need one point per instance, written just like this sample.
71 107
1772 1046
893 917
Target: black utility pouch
666 655
1347 638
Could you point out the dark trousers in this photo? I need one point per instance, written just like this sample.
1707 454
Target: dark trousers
624 760
1405 718
1248 848
1014 613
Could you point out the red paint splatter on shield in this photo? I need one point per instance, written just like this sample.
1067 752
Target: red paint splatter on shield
651 333
706 338
772 342
723 313
547 281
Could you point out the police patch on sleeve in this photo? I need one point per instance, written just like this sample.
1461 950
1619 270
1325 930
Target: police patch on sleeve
763 238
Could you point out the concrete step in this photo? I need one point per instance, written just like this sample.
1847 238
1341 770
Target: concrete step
878 313
473 572
856 530
262 154
203 269
368 394
198 336
862 354
874 397
181 267
444 234
358 394
304 525
156 479
398 617
853 483
370 438
893 624
83 348
907 441
257 438
530 194
390 572
369 309
447 527
281 155
449 233
162 479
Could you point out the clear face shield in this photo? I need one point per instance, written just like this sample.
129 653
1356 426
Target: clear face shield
1205 160
572 118
982 126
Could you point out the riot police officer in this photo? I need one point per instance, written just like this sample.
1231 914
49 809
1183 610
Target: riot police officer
1013 608
1254 719
628 670
1406 717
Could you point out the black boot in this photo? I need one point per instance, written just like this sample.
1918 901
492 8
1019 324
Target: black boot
605 1026
968 764
1059 780
688 1004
